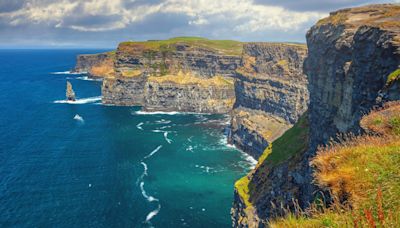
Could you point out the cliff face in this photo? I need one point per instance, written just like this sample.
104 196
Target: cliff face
168 93
96 65
351 66
180 74
270 83
172 57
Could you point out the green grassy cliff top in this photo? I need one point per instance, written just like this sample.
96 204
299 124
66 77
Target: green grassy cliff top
227 47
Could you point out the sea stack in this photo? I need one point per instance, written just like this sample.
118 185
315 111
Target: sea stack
70 92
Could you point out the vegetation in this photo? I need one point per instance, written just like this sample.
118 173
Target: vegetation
228 47
131 73
186 79
362 175
394 76
293 141
242 188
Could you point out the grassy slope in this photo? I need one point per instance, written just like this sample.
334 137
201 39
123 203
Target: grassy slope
293 141
362 175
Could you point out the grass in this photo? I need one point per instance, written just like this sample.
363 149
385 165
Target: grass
242 188
293 141
187 79
394 76
383 122
362 175
131 73
227 47
290 143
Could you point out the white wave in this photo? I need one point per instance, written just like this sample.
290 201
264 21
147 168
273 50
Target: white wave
157 131
169 113
153 152
86 78
190 139
153 213
249 159
79 118
144 193
139 126
68 72
143 174
162 121
166 137
189 148
79 101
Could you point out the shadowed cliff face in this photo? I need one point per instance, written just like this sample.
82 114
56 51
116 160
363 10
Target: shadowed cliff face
351 66
270 83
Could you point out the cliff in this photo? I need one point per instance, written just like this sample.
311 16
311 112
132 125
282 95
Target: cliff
352 66
270 83
96 65
187 74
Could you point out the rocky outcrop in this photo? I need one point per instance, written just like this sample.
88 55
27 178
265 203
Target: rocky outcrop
70 94
96 65
351 55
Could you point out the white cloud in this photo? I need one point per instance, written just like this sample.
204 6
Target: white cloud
245 15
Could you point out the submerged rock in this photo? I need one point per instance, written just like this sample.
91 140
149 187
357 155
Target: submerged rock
70 94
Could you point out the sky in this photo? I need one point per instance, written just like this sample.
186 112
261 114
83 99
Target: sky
105 23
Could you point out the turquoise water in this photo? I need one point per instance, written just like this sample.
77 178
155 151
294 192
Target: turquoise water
89 165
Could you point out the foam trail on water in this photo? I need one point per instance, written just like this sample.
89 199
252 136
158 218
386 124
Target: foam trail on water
79 101
153 213
153 152
166 137
139 126
79 118
146 196
144 193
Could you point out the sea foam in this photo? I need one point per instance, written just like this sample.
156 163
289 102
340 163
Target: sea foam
153 152
79 118
79 101
69 72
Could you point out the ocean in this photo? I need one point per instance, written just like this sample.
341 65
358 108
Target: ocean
84 164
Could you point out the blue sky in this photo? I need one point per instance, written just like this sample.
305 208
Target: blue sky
105 23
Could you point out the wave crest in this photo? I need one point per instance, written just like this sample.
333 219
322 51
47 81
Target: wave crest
79 101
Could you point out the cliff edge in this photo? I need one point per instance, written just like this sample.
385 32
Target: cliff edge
352 66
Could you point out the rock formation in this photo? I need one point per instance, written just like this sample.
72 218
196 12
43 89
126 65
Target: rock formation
270 88
353 57
96 65
70 94
181 74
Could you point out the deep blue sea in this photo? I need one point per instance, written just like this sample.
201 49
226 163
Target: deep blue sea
90 165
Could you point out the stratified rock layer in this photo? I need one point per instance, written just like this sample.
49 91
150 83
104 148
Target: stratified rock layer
351 55
270 82
180 74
